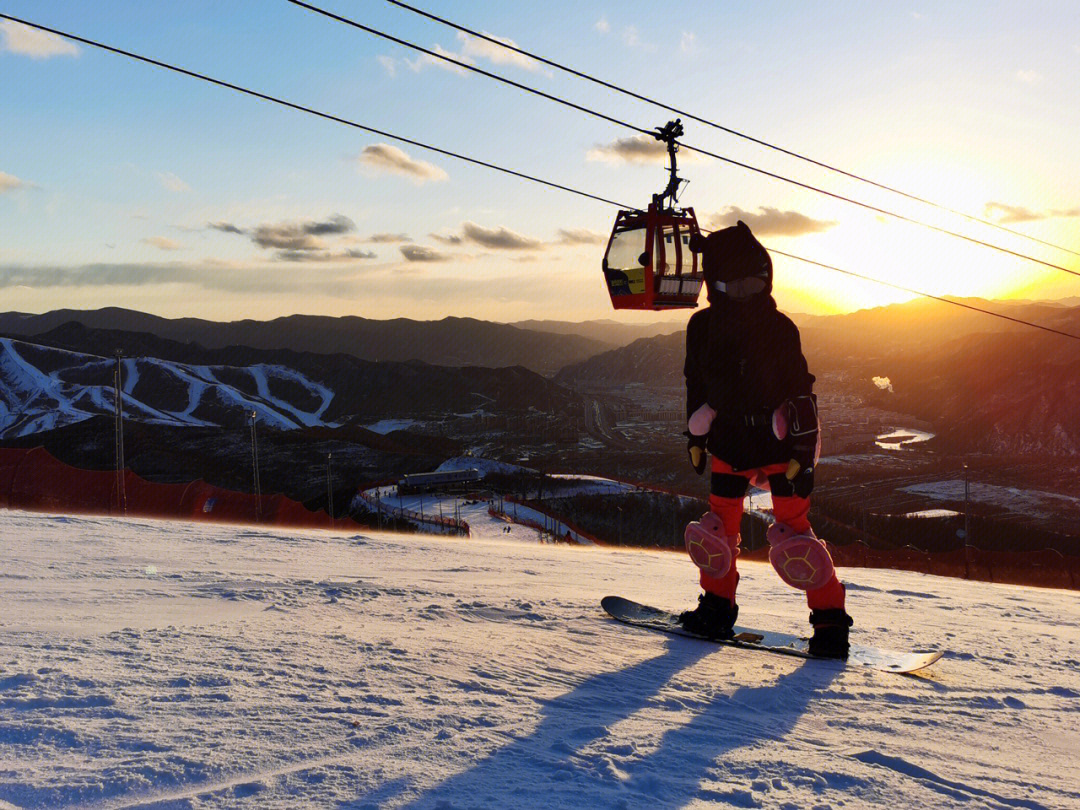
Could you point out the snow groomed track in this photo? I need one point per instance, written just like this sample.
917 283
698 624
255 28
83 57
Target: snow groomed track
188 665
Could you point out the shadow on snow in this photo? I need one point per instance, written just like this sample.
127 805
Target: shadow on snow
569 760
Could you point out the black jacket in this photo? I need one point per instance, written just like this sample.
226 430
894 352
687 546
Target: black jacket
744 359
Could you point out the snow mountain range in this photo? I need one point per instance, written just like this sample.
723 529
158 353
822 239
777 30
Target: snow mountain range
45 386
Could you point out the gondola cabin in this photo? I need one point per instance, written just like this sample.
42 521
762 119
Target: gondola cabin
649 264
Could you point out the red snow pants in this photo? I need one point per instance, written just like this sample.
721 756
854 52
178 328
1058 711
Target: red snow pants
726 502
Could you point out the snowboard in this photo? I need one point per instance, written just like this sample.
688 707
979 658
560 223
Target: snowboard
651 618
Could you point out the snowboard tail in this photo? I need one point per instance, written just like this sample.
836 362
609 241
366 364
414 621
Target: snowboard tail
651 618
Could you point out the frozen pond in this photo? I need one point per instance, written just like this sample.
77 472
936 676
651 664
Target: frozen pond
902 438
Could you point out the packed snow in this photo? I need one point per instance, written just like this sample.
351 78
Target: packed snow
33 400
384 426
1030 501
171 665
902 438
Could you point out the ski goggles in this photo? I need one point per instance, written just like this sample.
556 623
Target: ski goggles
742 287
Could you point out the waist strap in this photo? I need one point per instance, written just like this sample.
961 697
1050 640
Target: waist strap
755 419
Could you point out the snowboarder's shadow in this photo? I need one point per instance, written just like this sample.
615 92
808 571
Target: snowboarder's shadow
571 758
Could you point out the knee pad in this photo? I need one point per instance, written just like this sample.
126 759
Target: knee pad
801 560
711 550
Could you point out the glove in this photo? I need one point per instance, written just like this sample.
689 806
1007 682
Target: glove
695 447
700 421
800 416
801 477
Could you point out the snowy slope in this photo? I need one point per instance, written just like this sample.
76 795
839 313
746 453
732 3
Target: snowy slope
162 665
42 388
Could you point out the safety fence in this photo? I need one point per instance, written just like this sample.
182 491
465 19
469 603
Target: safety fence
540 519
445 524
1047 568
36 481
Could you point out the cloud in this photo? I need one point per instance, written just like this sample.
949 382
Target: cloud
498 238
688 42
631 38
385 238
163 243
580 236
447 238
324 256
484 49
211 275
9 182
472 48
300 235
93 275
335 225
386 158
635 149
389 64
602 25
422 253
1029 76
1002 213
225 227
172 182
427 60
771 222
27 41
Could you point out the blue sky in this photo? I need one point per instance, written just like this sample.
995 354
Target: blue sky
124 185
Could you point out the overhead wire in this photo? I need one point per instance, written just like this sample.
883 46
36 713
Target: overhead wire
449 58
302 108
656 103
925 295
449 153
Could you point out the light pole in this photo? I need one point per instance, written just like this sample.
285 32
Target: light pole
255 465
118 378
329 490
967 524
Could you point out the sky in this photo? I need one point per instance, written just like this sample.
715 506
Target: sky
125 185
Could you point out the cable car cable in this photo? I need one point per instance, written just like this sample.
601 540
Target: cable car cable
611 86
611 119
327 116
925 295
310 110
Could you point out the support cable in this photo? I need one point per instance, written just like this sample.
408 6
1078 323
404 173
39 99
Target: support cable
475 161
311 111
611 119
638 96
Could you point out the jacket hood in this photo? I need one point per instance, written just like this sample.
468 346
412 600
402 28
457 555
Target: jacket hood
730 254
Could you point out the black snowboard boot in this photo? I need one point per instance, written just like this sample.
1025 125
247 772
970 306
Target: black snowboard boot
830 639
714 617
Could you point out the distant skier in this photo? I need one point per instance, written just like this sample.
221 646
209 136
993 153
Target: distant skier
749 402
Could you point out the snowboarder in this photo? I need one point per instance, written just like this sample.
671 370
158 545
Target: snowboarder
750 403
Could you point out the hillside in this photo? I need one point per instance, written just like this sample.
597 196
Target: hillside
647 361
153 664
43 387
612 333
449 342
987 385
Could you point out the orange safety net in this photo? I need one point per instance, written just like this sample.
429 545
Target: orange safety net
36 481
1045 568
